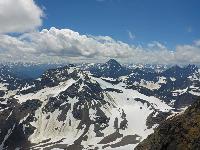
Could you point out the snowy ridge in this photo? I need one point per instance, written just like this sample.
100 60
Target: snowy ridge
73 108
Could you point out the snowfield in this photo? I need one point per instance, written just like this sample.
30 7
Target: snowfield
123 102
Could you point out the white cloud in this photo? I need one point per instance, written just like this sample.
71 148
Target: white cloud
19 15
66 42
131 35
67 45
197 42
188 53
156 46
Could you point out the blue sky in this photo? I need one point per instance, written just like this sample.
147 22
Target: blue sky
131 31
168 21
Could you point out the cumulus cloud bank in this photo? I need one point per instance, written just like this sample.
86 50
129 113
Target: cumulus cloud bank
66 44
19 15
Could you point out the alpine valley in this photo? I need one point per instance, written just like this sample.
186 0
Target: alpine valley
91 106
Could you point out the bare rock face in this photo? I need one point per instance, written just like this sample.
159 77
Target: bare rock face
182 132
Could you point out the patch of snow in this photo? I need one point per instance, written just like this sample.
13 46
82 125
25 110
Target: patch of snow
3 87
172 79
194 93
149 84
180 91
43 94
6 137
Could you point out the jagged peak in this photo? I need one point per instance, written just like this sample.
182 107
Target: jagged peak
113 63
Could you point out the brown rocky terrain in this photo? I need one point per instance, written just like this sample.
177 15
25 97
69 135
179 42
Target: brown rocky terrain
181 132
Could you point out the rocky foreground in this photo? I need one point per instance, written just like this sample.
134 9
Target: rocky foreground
181 132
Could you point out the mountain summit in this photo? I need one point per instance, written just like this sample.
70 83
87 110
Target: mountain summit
112 63
113 69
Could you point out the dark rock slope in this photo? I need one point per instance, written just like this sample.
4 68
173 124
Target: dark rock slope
181 132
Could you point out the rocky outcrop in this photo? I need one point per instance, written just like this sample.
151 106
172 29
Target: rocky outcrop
181 132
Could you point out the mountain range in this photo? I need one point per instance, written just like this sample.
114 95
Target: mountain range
92 106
